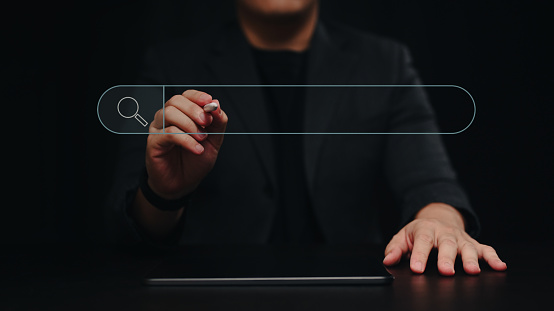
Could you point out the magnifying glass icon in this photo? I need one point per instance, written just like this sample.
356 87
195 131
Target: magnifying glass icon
130 102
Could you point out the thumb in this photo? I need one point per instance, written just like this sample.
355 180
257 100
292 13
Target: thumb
218 125
397 247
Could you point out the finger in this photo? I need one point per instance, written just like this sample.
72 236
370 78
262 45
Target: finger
218 125
424 240
174 116
180 139
396 248
193 110
219 122
198 97
158 123
448 249
393 257
470 258
491 257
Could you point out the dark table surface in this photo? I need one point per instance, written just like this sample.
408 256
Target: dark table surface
56 277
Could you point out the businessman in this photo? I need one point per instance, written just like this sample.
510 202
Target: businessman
194 188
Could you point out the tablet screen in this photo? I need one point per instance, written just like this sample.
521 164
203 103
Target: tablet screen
271 265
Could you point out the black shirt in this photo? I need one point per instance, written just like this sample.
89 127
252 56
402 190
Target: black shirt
295 221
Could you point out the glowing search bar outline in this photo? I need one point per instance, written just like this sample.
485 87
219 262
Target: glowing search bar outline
163 86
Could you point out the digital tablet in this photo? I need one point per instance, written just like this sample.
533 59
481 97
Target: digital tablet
269 265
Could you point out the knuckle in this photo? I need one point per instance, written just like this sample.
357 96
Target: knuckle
188 92
171 129
468 245
449 242
192 94
488 250
174 130
170 109
428 223
174 99
425 238
189 125
450 230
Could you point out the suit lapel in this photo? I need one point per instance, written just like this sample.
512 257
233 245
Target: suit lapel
233 64
329 64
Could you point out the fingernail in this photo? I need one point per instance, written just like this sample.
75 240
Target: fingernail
199 148
203 117
418 266
449 265
202 136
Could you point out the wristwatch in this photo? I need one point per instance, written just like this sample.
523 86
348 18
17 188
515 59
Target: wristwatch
159 202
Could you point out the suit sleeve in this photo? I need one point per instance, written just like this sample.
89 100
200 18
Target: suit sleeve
417 166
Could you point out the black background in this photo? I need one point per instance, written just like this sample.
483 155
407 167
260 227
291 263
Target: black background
59 58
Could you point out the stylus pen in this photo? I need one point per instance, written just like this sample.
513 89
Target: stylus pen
211 107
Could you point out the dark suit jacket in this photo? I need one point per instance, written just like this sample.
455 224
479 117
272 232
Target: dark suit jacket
347 175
